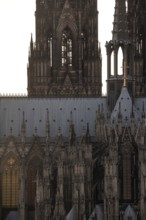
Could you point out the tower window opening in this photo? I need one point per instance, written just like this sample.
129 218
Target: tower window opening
50 49
120 62
140 47
112 65
33 167
66 48
126 6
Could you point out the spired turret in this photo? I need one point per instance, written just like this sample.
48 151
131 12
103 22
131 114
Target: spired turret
118 52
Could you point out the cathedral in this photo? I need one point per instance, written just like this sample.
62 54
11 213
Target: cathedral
66 151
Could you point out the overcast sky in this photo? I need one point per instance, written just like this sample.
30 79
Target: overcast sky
17 22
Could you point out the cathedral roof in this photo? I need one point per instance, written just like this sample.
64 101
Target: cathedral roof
124 107
34 111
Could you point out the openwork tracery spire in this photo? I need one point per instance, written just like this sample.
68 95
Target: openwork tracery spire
120 28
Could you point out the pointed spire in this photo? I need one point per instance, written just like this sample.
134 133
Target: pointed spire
59 131
133 121
35 131
88 133
31 46
47 127
85 139
120 120
60 141
23 122
23 127
31 41
120 28
71 118
11 131
72 137
98 112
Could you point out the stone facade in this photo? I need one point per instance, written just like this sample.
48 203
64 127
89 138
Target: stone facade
46 160
66 152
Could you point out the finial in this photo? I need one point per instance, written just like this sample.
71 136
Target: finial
71 118
11 131
84 131
47 114
126 121
88 128
23 127
125 75
47 126
23 120
59 131
31 38
35 131
88 133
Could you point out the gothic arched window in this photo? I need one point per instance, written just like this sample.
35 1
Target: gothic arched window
10 184
128 172
33 167
67 187
66 48
112 64
120 62
50 49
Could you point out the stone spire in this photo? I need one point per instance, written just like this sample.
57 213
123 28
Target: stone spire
120 28
72 135
47 128
23 128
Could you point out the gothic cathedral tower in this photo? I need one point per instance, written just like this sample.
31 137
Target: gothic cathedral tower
65 60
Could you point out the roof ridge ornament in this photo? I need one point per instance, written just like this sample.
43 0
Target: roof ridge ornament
125 74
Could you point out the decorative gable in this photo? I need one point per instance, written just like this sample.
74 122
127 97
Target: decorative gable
67 18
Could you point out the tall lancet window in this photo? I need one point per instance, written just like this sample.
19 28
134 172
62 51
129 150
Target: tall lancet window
120 62
10 184
128 173
126 4
66 48
50 49
33 167
112 64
